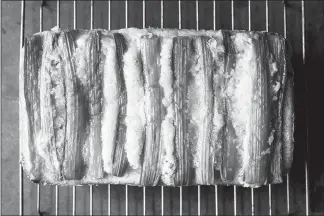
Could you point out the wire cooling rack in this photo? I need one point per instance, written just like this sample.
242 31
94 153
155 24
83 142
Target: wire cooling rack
217 199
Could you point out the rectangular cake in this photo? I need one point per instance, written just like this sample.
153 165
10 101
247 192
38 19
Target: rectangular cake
151 107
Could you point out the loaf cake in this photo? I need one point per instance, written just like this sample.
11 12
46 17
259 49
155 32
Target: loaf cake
151 107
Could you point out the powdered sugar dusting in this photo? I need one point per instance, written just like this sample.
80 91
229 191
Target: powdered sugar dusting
240 90
217 49
80 59
167 127
135 116
110 105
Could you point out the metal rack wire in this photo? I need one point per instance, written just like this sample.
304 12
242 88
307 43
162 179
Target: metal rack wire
21 188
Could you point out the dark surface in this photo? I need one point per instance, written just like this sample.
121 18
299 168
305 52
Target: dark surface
312 70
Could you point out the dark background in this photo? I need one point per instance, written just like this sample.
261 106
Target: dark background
306 107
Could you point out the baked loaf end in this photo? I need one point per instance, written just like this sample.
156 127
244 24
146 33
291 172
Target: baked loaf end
152 107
